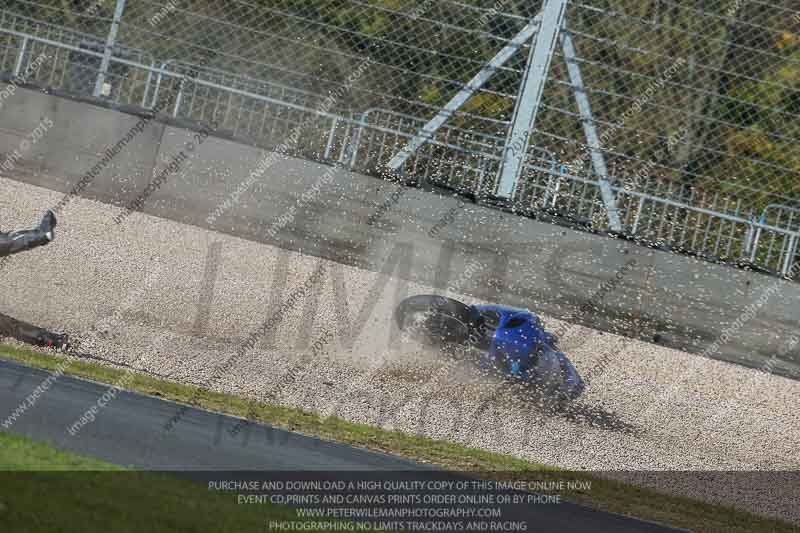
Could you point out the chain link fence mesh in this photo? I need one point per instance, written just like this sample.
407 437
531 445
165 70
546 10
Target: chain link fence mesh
695 103
700 94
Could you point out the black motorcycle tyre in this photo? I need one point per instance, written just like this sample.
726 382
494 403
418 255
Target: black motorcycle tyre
447 321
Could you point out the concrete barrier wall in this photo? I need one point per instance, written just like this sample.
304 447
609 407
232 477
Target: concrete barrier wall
364 221
78 139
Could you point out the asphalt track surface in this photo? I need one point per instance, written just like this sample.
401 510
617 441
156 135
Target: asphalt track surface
130 431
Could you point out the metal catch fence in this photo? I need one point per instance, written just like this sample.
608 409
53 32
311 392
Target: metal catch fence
674 121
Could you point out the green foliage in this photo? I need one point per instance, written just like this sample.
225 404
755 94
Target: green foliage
737 92
779 91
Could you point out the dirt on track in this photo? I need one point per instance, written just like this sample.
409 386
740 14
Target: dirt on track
180 301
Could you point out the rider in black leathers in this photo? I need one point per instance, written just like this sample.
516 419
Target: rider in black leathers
19 241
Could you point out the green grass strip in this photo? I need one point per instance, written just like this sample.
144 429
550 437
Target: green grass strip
604 495
68 492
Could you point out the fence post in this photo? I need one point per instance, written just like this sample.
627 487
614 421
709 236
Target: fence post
429 130
111 41
23 49
147 83
530 97
788 261
592 139
356 144
179 98
329 144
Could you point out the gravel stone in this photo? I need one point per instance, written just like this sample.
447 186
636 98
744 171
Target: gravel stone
132 294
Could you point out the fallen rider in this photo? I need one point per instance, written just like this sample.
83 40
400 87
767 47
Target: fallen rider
20 241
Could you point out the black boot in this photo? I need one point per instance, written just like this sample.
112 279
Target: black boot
48 225
58 341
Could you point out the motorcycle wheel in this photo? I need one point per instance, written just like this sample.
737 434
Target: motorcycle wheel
436 320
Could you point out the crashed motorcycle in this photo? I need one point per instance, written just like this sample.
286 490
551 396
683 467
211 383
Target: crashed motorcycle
508 341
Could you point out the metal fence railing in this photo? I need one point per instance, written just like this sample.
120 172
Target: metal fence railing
683 115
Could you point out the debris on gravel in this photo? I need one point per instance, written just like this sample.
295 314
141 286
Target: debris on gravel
137 296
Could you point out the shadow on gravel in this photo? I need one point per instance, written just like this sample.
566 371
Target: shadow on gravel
576 412
530 403
596 417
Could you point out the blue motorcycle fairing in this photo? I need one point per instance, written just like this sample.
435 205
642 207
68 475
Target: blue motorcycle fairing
518 335
524 349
